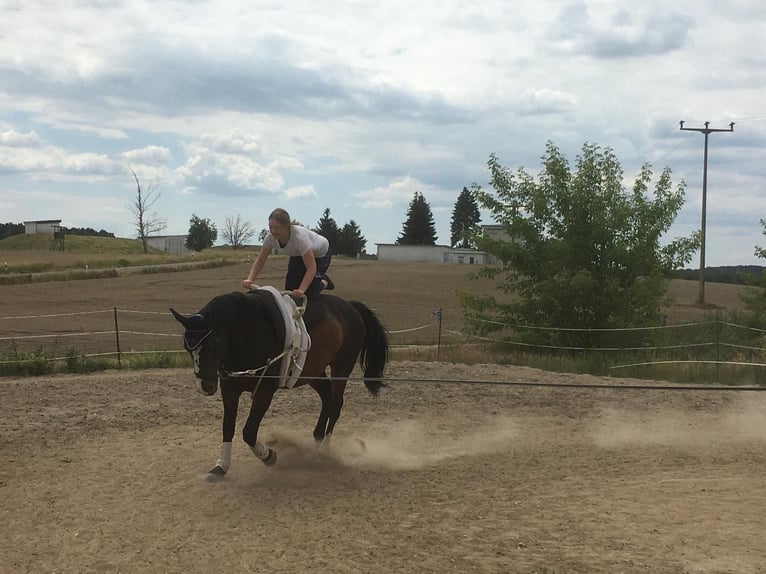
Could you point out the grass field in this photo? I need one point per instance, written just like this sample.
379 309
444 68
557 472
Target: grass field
405 295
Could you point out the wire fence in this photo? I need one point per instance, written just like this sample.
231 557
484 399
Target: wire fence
123 332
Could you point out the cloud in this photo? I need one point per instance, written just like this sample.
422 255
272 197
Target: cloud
150 155
399 191
13 138
620 34
232 164
301 192
543 101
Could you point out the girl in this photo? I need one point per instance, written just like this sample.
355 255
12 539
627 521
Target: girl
309 256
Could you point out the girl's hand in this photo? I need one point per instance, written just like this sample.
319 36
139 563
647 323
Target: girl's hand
246 283
297 293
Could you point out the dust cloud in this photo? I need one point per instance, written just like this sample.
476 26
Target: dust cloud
742 421
408 445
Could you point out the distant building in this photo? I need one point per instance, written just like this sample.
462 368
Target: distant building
49 226
174 244
429 253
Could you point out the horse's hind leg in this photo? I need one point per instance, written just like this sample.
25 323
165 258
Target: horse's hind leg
337 388
322 387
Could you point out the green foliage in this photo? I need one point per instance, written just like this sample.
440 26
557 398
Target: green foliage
328 228
26 363
352 242
754 300
88 231
347 240
419 227
11 229
580 251
202 234
465 220
735 274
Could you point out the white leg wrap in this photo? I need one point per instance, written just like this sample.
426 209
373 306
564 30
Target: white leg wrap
260 450
225 461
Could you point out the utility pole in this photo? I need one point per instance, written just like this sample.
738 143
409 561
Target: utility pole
707 130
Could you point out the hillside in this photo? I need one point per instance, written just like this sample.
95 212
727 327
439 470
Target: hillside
74 244
740 274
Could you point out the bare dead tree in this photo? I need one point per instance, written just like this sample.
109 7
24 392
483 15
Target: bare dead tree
147 222
236 231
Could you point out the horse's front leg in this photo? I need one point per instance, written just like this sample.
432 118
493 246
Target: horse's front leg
230 394
261 404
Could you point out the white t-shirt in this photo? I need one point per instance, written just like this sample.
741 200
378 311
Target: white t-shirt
301 241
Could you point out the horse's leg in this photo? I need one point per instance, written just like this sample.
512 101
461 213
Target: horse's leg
337 388
230 396
322 387
261 404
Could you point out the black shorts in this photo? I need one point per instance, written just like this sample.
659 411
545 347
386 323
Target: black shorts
296 270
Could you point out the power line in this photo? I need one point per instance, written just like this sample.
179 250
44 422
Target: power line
707 130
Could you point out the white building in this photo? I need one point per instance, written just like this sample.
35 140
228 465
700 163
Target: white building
429 253
48 226
175 244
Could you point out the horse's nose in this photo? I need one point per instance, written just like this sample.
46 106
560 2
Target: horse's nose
207 387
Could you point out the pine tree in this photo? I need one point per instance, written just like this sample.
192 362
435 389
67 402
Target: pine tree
326 227
465 220
352 242
419 228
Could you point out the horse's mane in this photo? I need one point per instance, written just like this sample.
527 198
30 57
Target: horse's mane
231 308
252 320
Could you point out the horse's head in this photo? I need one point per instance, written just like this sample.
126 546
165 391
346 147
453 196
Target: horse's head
205 348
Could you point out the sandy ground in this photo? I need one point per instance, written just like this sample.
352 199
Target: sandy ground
106 473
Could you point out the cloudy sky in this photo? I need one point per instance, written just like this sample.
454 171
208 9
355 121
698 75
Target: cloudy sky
234 107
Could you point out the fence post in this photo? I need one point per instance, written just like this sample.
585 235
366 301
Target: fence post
718 328
438 316
117 336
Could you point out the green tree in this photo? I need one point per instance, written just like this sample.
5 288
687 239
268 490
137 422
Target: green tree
419 228
584 253
352 242
754 300
10 229
326 227
202 234
465 220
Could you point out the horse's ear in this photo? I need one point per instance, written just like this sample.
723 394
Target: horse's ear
180 318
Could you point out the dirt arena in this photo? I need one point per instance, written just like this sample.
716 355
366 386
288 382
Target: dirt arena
106 473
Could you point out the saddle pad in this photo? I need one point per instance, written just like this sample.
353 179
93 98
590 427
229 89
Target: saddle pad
297 340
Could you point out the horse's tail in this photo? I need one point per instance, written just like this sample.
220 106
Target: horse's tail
374 355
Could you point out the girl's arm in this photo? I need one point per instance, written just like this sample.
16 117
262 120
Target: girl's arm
257 266
311 270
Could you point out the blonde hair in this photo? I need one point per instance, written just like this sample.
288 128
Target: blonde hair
280 216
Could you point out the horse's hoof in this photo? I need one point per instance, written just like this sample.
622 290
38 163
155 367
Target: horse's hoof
217 471
271 458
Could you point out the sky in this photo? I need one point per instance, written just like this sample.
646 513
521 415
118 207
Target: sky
227 108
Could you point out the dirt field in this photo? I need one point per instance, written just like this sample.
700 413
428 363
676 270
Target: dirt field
105 473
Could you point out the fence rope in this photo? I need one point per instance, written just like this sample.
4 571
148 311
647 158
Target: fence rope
58 315
413 329
593 330
52 335
534 345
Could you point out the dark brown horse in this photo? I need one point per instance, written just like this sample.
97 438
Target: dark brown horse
235 337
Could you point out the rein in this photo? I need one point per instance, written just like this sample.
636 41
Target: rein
253 372
298 312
